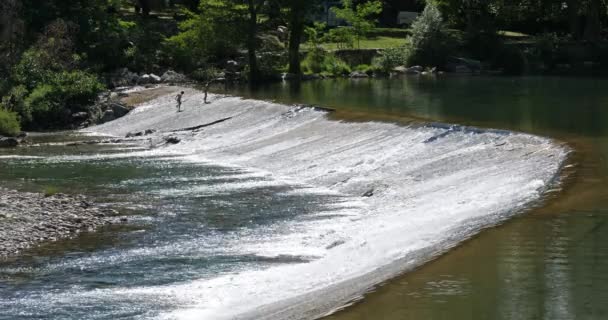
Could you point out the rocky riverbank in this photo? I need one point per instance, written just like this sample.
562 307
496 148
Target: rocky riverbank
29 219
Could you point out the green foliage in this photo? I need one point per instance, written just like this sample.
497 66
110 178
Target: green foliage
323 62
51 103
216 33
343 37
9 124
50 191
15 101
359 17
429 44
391 58
314 34
365 68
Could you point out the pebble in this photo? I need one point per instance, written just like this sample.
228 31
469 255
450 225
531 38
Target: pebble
29 219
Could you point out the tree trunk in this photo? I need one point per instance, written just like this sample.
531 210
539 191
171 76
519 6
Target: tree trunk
296 30
254 72
592 29
573 6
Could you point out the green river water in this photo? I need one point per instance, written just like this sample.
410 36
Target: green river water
551 263
191 221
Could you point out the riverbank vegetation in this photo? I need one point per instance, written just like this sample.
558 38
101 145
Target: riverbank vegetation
58 56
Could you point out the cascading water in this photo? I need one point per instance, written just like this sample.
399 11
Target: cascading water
277 212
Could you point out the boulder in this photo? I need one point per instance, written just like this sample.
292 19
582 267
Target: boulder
173 77
8 142
119 110
400 69
416 69
134 134
108 116
358 75
145 79
22 135
461 68
232 66
149 131
123 77
80 116
463 65
172 140
313 76
154 78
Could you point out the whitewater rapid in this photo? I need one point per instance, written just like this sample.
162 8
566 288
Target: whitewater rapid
409 193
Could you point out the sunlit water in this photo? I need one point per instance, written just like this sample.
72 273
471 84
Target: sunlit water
269 206
549 264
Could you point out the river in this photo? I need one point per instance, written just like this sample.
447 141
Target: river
551 263
267 206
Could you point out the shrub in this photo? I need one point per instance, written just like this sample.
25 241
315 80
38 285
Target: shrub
14 101
429 44
52 102
390 58
50 191
344 38
320 61
9 124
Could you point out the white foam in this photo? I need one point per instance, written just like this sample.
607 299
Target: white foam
422 191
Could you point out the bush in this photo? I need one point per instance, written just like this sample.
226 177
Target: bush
391 58
430 44
51 103
344 38
15 101
320 61
9 124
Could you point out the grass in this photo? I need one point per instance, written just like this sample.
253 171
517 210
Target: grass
512 34
50 191
380 42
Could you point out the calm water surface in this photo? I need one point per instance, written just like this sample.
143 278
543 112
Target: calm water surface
551 263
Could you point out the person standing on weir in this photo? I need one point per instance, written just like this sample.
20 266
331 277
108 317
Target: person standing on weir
178 99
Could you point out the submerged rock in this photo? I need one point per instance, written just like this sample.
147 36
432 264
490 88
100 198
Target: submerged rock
172 140
8 142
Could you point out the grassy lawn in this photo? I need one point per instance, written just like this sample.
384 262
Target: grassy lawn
368 43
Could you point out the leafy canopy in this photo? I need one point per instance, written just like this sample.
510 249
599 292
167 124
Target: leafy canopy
359 17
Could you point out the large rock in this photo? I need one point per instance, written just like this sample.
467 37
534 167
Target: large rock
144 79
463 65
173 77
358 75
119 110
123 77
8 142
154 78
80 116
411 70
108 116
232 66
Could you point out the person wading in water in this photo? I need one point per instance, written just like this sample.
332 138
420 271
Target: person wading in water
178 98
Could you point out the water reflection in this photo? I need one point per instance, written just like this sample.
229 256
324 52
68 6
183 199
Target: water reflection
534 104
551 263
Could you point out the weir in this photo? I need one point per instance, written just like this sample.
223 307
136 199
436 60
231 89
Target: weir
431 187
374 200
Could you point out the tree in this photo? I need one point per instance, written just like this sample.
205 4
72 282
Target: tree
298 10
12 30
254 7
359 17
